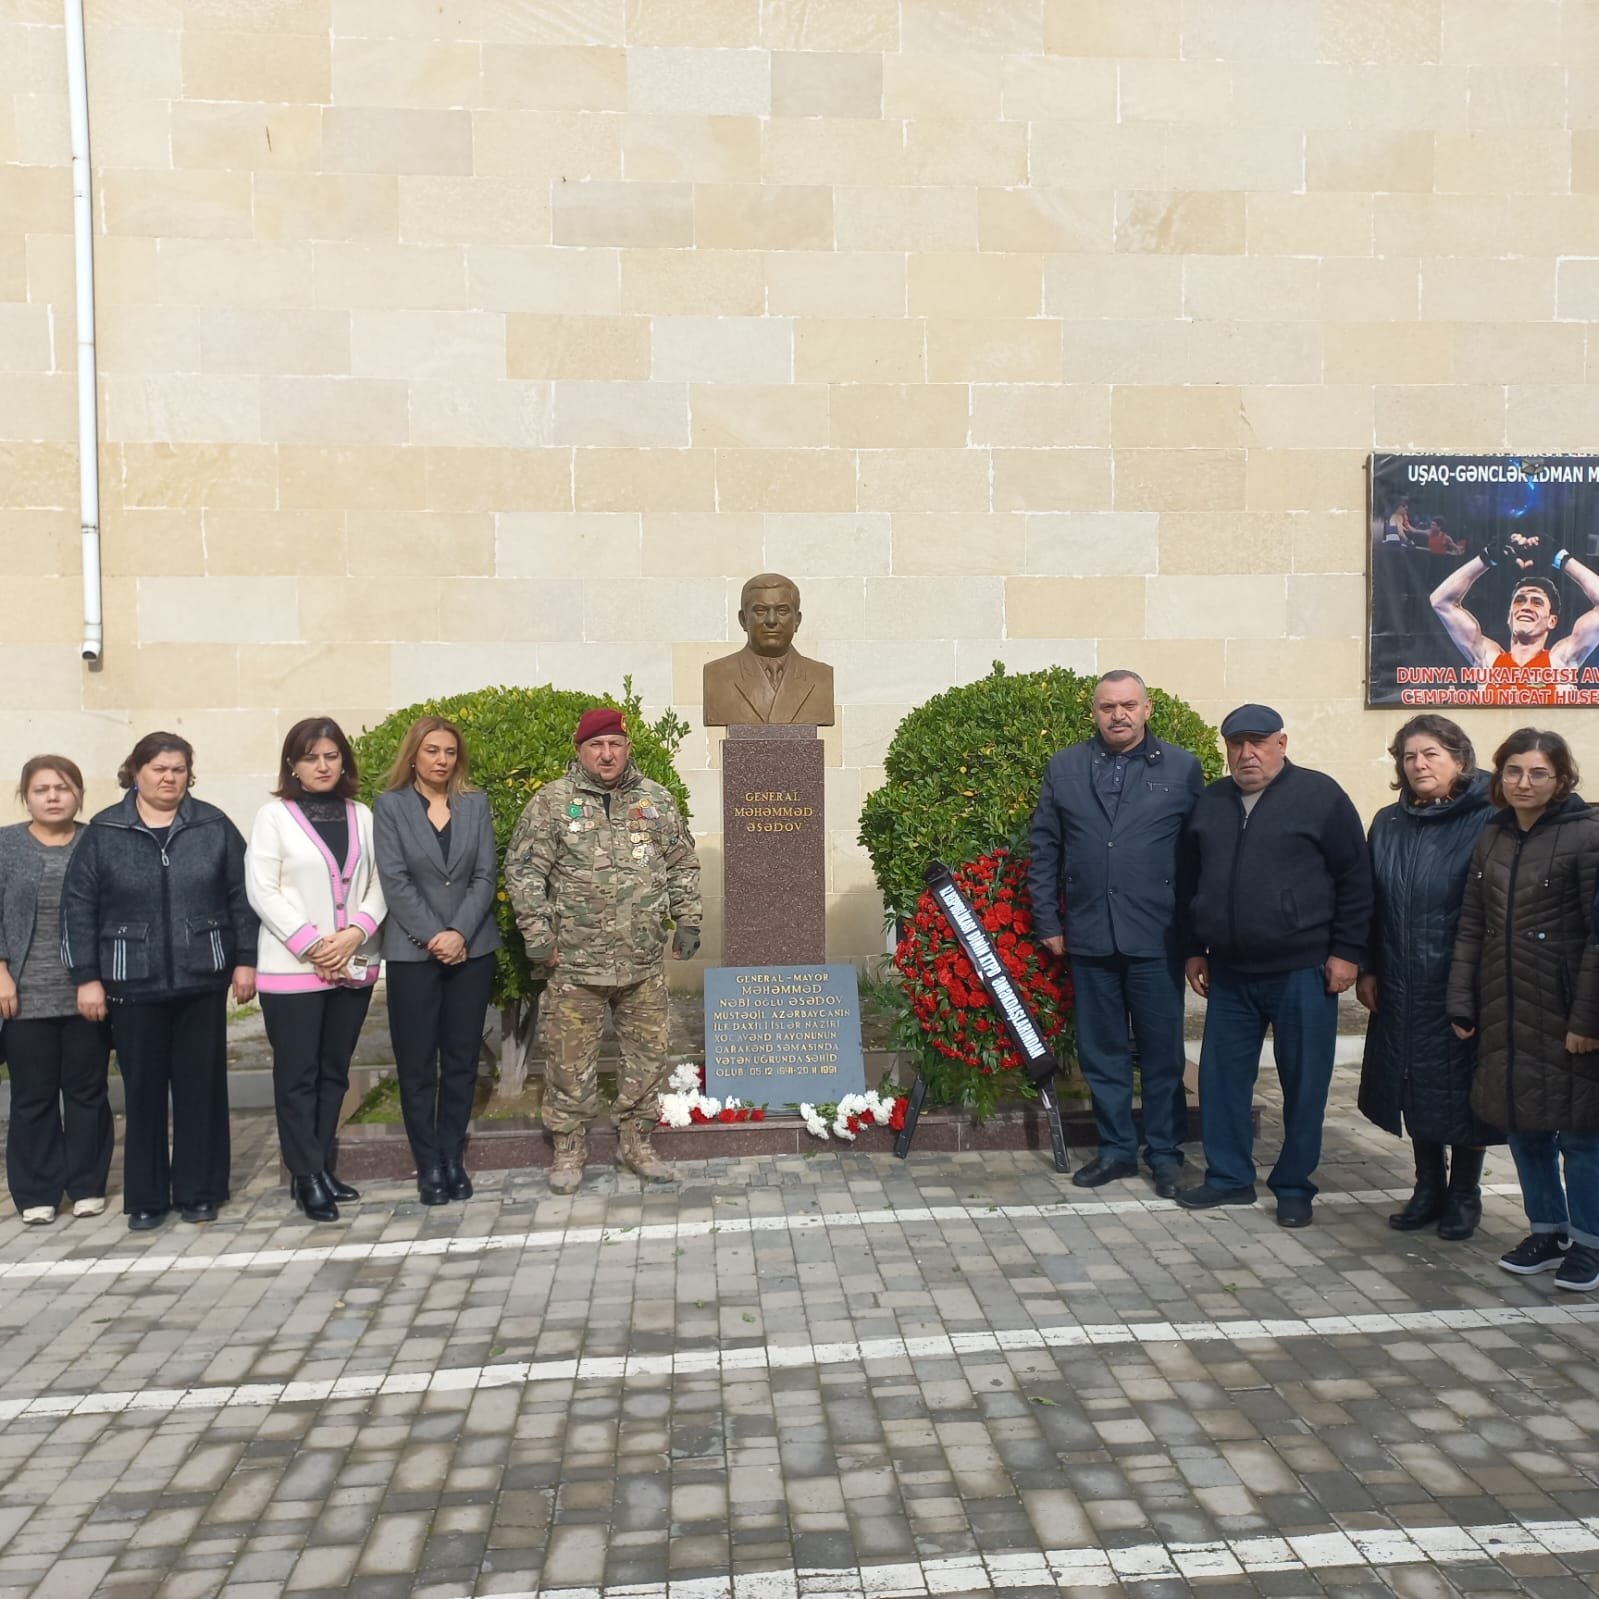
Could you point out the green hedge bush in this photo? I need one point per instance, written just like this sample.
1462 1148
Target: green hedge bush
519 739
963 770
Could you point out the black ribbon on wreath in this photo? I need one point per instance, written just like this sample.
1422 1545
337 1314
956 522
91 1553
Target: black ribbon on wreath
1015 1017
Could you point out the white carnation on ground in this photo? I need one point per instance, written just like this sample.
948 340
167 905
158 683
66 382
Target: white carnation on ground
814 1124
676 1110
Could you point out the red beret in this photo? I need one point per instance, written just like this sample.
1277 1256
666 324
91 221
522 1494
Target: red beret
597 722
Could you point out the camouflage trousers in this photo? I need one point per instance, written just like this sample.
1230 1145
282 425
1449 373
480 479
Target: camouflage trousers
572 1021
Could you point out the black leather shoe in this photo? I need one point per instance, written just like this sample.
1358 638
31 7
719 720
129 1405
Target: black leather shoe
1427 1199
342 1192
1461 1216
1422 1209
197 1213
1463 1203
1294 1212
1204 1197
144 1221
1100 1171
431 1187
1167 1179
456 1182
312 1196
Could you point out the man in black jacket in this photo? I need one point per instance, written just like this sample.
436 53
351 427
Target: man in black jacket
1277 924
1105 839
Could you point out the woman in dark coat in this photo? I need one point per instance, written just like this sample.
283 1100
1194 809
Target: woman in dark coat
156 928
1525 983
1416 1077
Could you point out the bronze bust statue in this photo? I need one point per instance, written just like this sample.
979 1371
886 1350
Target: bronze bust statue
768 680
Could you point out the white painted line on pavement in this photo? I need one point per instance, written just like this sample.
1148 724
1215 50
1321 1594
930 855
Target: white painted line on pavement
148 1265
1114 1568
773 1357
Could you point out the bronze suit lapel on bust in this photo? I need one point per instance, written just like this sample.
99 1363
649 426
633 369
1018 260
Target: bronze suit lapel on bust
791 697
755 687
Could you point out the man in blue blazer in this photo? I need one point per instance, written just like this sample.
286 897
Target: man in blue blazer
1105 845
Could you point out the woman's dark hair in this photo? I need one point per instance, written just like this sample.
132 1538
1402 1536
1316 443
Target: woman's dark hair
1535 740
299 742
146 750
1451 735
60 765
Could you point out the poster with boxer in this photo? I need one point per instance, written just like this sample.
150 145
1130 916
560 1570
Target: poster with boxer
1483 581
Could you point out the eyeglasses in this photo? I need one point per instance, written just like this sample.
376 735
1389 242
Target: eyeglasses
1534 779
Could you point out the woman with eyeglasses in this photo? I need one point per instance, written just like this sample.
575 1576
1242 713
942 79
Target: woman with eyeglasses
1525 984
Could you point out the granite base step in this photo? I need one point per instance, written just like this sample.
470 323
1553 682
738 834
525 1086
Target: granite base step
380 1149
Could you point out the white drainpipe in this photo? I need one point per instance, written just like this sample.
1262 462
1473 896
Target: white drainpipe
88 385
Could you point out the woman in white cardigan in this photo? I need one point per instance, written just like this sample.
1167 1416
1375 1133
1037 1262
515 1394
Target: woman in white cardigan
312 878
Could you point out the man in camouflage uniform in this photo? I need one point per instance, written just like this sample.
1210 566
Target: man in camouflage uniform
600 864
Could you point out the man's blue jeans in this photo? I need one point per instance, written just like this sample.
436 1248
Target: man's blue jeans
1551 1208
1303 1019
1109 990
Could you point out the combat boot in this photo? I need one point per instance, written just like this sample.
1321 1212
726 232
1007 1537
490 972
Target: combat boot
571 1155
634 1151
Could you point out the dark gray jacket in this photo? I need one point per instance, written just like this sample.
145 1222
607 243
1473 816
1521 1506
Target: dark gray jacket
154 922
1118 879
19 892
427 892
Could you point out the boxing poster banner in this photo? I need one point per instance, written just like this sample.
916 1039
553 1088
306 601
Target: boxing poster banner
1484 581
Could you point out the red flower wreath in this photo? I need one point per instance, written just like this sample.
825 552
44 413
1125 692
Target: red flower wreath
945 993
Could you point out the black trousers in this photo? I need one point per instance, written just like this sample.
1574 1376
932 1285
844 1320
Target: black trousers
175 1048
61 1133
436 1025
313 1037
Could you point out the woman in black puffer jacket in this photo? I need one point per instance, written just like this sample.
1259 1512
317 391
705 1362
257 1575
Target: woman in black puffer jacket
1416 1077
1525 983
156 927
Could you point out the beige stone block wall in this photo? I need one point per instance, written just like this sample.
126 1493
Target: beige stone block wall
449 346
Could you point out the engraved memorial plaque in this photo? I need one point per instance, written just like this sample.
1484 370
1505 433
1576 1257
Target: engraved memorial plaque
783 1035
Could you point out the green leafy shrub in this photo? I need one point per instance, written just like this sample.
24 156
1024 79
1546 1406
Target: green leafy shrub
963 770
519 739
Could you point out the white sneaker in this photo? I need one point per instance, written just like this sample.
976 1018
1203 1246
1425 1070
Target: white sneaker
38 1215
89 1207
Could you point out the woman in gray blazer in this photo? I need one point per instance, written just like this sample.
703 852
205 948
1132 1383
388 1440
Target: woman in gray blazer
433 835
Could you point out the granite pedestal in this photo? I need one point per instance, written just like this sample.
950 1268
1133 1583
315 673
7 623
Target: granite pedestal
774 847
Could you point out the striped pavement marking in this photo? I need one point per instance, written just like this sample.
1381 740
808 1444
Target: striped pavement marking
775 1357
152 1265
1123 1567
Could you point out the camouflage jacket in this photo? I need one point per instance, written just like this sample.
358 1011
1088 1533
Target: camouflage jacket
601 884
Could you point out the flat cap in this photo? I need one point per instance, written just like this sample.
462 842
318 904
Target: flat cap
1247 720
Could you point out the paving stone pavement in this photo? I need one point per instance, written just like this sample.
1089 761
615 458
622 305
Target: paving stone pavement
795 1378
